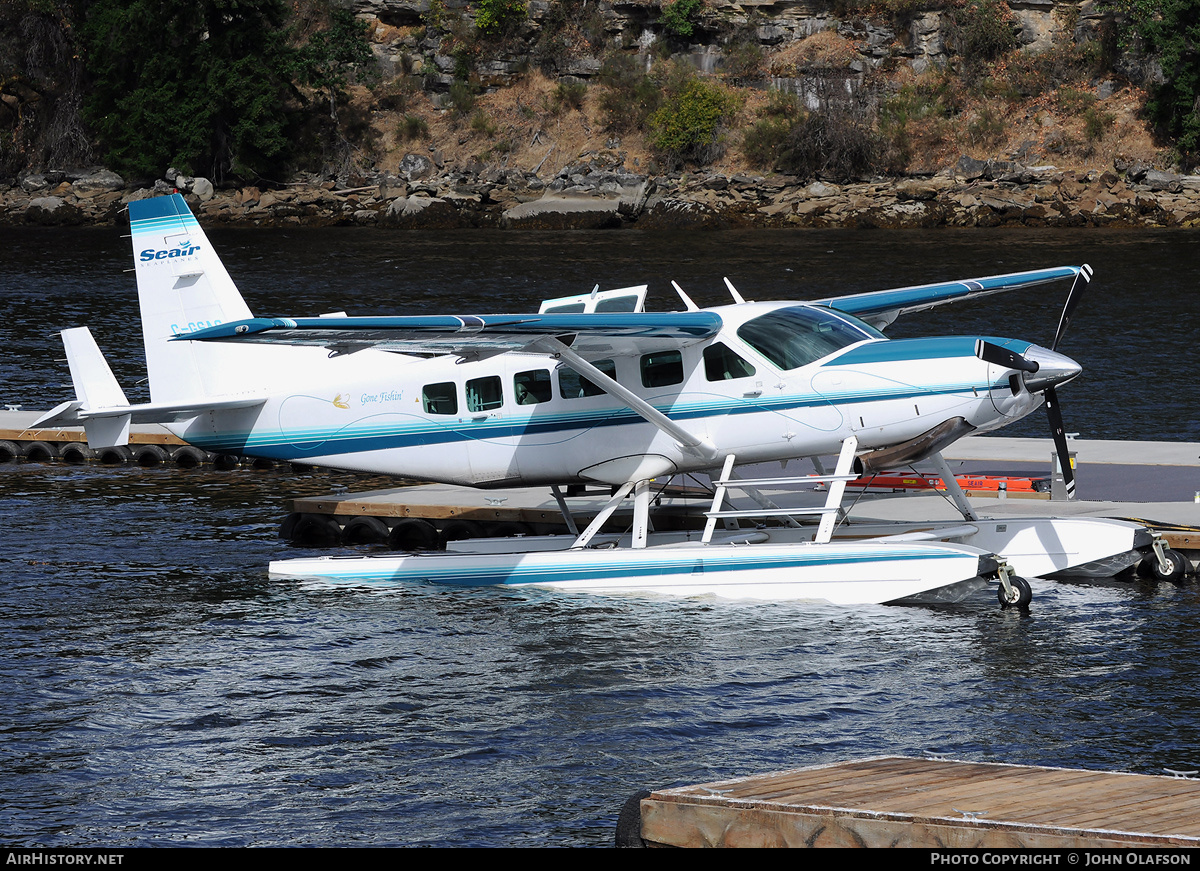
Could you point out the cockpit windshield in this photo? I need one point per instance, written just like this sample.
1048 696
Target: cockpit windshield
796 336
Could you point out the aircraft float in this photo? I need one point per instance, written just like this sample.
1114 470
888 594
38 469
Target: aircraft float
594 389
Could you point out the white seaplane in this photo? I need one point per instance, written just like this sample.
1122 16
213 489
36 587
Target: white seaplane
596 390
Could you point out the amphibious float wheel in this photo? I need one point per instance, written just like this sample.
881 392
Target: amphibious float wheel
1021 594
1179 567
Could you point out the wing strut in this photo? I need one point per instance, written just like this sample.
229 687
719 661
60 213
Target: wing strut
691 443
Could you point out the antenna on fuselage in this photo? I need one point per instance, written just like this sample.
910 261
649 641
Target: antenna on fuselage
737 297
687 300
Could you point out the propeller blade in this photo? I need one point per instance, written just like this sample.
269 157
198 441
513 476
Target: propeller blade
991 353
1082 280
1060 440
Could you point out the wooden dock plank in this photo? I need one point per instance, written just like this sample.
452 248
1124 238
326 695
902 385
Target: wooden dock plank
75 434
897 801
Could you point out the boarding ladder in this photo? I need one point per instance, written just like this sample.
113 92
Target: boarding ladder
830 513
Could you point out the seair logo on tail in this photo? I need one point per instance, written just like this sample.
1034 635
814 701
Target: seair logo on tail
183 248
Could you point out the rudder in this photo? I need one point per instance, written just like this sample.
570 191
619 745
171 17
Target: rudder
182 287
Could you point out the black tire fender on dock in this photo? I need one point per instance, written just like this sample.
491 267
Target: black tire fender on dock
414 534
76 453
188 457
316 530
148 456
9 451
457 530
365 530
629 821
118 455
39 452
226 462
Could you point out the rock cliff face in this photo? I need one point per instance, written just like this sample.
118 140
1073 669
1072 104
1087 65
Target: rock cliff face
595 180
917 38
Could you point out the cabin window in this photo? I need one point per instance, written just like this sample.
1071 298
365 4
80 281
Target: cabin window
799 335
440 398
572 385
662 369
484 394
618 304
721 364
532 387
570 308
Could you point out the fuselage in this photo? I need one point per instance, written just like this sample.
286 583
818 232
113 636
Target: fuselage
778 381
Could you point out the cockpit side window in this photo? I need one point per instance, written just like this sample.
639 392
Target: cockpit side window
532 387
662 369
722 364
799 335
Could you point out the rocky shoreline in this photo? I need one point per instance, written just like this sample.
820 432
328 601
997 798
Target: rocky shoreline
598 192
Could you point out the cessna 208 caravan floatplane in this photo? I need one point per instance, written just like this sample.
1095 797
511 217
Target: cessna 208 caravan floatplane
599 390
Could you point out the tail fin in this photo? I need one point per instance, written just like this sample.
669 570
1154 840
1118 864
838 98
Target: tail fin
182 287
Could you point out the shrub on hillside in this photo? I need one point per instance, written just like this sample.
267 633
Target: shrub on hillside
688 126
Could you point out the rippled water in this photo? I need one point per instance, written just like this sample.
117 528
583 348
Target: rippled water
158 689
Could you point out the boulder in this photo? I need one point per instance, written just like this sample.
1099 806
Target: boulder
564 212
416 213
53 212
415 166
96 183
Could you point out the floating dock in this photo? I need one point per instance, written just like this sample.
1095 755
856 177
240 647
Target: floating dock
926 803
1154 483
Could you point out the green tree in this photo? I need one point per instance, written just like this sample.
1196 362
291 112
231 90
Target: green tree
199 85
1169 29
494 18
680 16
333 56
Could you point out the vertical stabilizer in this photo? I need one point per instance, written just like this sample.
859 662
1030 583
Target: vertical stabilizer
182 287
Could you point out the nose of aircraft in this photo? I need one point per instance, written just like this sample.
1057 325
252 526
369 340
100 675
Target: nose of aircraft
1053 369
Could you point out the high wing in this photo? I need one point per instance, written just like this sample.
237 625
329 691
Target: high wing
564 335
881 307
614 333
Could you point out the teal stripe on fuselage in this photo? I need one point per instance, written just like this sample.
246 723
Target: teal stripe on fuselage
298 444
